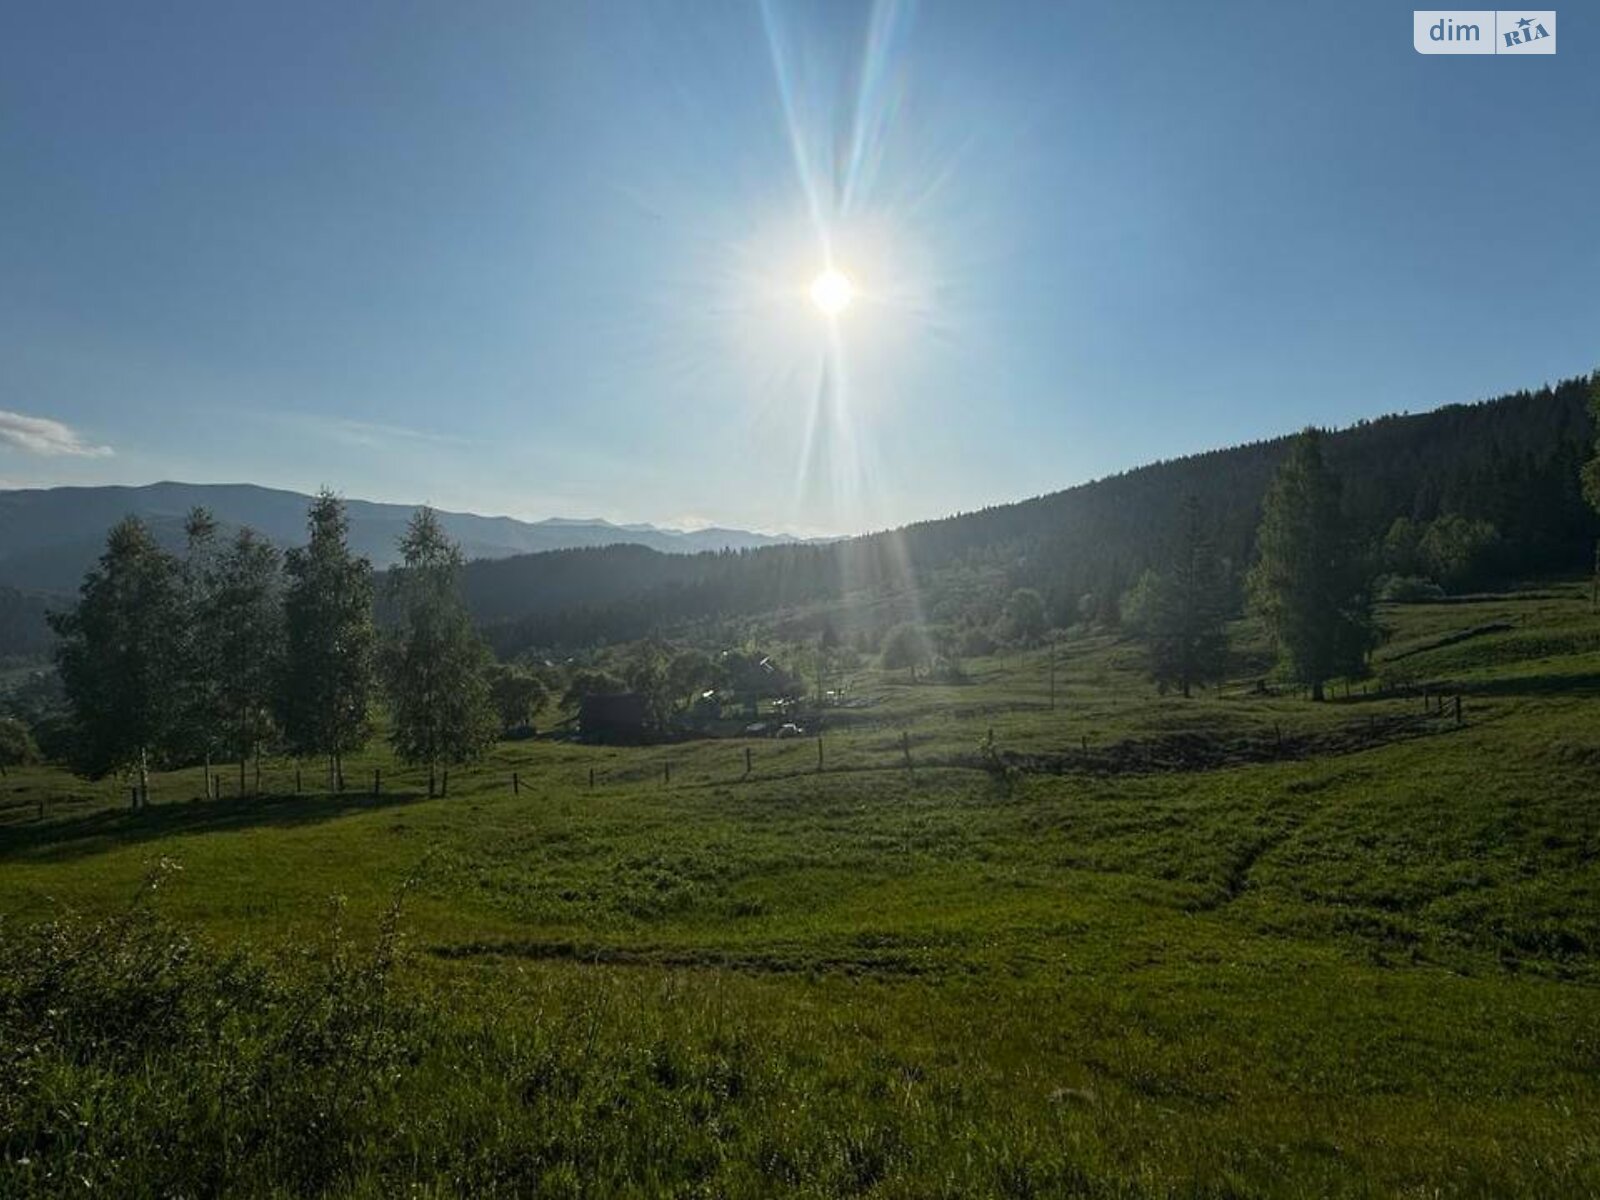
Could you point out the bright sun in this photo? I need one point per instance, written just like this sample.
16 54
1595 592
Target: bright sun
832 291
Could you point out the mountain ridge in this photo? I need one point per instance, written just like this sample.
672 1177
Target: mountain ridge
50 536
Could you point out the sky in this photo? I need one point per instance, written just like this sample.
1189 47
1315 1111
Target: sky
554 259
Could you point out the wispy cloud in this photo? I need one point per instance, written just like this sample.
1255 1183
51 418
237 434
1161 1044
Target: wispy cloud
42 436
371 433
367 434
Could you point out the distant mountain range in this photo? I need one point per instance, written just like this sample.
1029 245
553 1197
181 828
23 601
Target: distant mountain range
50 536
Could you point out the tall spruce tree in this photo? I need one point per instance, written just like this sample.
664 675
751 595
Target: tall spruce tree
435 665
120 657
1591 483
1187 611
201 715
1309 584
245 623
327 680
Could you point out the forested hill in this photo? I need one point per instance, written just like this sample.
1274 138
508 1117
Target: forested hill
1512 462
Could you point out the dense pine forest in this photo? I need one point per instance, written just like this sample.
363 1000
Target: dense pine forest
1508 468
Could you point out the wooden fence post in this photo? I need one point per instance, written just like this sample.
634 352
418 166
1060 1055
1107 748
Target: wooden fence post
819 754
377 782
1458 710
297 779
516 784
591 778
666 773
748 767
905 746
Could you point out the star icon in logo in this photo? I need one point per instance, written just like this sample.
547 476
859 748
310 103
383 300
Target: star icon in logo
1525 22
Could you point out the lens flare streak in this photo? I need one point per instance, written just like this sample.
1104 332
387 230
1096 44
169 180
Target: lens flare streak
839 124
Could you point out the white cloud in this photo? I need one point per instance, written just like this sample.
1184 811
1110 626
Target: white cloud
41 435
368 435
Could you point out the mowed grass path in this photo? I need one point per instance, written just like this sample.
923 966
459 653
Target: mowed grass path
1370 970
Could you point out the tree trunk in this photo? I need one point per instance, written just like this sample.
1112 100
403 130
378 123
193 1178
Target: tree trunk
241 774
1316 690
432 780
144 778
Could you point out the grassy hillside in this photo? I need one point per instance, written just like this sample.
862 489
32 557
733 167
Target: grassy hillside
1133 946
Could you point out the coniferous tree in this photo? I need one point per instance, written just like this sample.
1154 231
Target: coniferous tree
435 664
1591 482
1187 610
120 657
245 620
1308 585
201 714
327 676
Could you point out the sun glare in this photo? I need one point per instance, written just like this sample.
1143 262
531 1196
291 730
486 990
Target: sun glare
832 292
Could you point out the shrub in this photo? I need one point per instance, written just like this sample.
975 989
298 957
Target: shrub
1408 589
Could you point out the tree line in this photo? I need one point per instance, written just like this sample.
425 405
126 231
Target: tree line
1314 575
1483 492
170 660
223 649
1310 584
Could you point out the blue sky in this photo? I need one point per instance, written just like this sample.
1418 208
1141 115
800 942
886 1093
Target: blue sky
552 259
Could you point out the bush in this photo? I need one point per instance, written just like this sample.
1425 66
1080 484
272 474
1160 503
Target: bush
17 748
975 642
1408 589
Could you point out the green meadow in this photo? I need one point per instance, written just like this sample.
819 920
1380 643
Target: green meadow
1121 945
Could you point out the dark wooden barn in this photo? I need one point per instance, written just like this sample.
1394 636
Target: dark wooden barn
616 718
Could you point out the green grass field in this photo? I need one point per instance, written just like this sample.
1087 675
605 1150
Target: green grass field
1237 945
